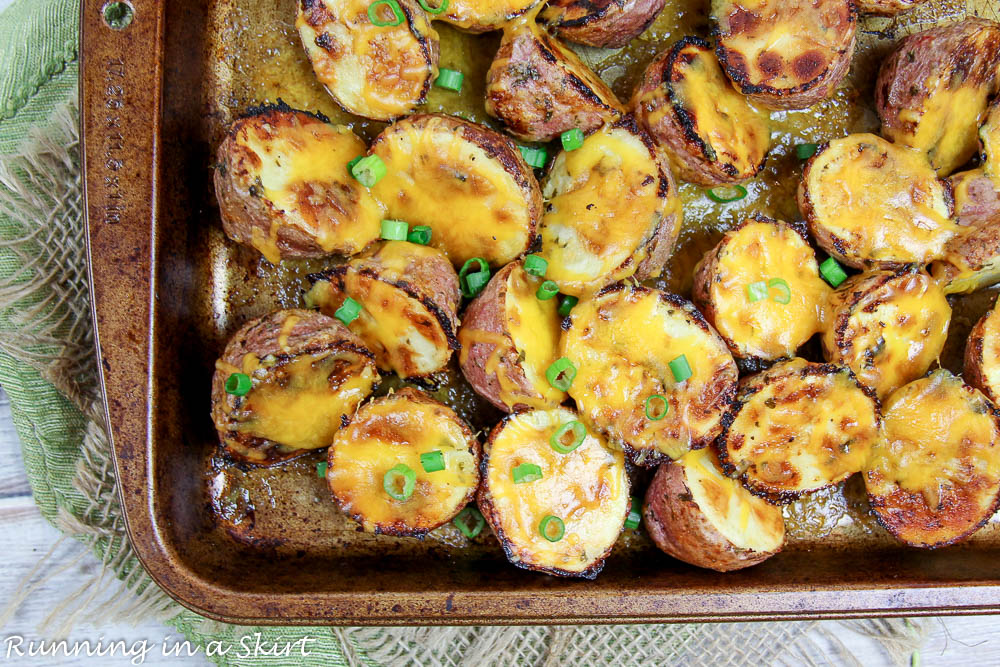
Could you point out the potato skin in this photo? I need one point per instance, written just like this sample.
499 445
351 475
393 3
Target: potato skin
984 340
886 7
478 16
608 24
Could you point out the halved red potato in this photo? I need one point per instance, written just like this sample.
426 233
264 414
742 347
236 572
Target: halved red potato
611 212
982 355
632 347
760 288
888 327
698 515
886 7
538 89
283 187
403 464
305 373
935 479
509 337
374 71
871 203
526 481
798 427
482 15
785 54
409 305
710 132
932 90
466 182
608 24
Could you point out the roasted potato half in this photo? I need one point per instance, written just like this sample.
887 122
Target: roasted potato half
798 427
538 89
651 373
760 288
483 15
786 54
888 327
469 184
554 512
282 184
403 465
284 383
375 71
932 90
871 203
611 212
935 479
710 132
982 355
698 515
509 338
409 305
607 24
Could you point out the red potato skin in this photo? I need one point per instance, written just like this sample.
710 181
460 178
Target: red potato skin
609 24
678 526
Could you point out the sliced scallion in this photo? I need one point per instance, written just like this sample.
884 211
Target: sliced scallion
470 522
566 304
368 170
547 290
535 265
348 311
471 283
571 139
832 272
432 461
723 194
238 384
526 472
784 292
805 151
535 157
757 291
420 234
397 13
399 481
394 230
321 469
680 368
433 10
634 517
657 407
577 433
561 374
450 79
552 528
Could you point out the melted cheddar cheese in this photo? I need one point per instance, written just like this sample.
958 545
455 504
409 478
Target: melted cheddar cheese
484 15
587 489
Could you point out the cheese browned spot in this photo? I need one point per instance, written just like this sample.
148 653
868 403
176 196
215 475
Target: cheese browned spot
798 427
483 15
395 430
587 489
936 478
622 341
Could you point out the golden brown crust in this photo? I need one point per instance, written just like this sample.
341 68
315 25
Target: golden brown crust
886 7
974 371
609 24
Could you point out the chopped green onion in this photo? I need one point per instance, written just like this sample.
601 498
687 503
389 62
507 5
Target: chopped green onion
832 272
552 528
450 79
805 151
421 235
535 265
397 12
576 429
348 311
470 521
757 291
634 517
350 165
547 290
399 481
571 139
723 194
535 157
526 472
394 230
567 304
321 469
784 291
680 368
472 284
657 407
238 384
433 10
475 282
432 461
368 170
561 374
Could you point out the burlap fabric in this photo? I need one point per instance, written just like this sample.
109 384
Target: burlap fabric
47 368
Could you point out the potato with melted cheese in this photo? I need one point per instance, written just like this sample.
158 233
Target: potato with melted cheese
409 305
710 132
537 88
306 372
886 7
606 24
888 327
611 212
556 496
982 355
935 479
760 288
282 184
509 337
871 203
375 71
637 351
798 427
698 515
785 54
482 15
932 91
466 182
404 464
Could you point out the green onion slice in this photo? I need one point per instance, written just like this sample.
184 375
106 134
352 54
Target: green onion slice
433 10
399 481
475 282
657 407
832 272
680 368
575 429
368 170
350 165
397 13
567 304
561 374
757 291
470 522
571 139
784 294
526 472
238 384
466 281
535 265
395 230
552 528
449 79
420 234
348 311
634 517
805 151
535 157
724 194
432 461
547 290
321 469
